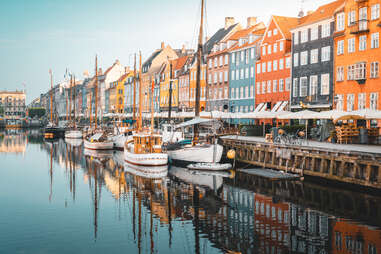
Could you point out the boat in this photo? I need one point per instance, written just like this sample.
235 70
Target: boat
97 139
197 151
154 172
74 142
145 146
72 132
210 166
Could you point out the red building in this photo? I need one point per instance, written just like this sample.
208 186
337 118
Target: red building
273 70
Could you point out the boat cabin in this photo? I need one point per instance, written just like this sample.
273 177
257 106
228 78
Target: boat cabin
147 144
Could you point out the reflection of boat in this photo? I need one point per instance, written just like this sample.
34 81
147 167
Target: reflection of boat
73 142
98 153
152 172
211 181
73 134
118 158
210 166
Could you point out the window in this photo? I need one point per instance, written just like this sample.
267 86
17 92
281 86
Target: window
263 87
373 102
252 71
226 76
374 40
324 89
215 77
226 59
361 100
295 88
263 67
210 79
247 92
375 11
220 77
215 62
233 75
258 68
237 58
281 46
303 87
362 43
360 71
275 85
325 53
288 62
303 58
281 85
237 74
296 38
252 53
233 58
226 92
264 50
269 86
259 88
269 49
275 65
275 47
351 18
288 84
269 33
340 47
281 64
221 59
351 72
269 66
340 102
340 73
252 91
326 30
313 85
275 31
296 59
314 33
241 93
304 36
374 69
340 21
210 63
242 55
236 92
363 22
351 45
247 73
247 56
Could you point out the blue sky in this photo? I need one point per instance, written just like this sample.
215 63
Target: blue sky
36 35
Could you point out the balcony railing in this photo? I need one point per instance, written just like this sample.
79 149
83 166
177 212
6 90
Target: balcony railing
360 26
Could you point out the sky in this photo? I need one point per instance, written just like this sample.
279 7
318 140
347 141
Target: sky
38 35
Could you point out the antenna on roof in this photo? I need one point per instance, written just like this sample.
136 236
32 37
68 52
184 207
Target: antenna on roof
301 12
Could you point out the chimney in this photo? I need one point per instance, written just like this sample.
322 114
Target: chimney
162 45
126 69
310 12
251 21
229 21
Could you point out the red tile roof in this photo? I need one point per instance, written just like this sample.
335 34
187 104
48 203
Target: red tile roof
286 24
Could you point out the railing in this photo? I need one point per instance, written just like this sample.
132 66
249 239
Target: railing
360 26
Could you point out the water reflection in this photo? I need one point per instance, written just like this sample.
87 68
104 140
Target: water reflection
203 212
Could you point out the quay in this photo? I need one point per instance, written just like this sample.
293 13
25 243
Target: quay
350 163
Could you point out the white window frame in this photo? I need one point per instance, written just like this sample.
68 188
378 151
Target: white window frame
296 38
324 84
303 87
375 40
374 69
340 73
325 30
361 101
275 65
340 21
314 33
340 47
281 85
373 101
326 53
275 85
281 64
281 46
362 42
295 85
296 59
303 58
313 85
375 11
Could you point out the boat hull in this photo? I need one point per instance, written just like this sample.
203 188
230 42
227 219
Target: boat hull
153 172
99 145
146 159
194 154
73 134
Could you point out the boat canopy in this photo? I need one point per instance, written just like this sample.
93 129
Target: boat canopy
96 136
194 121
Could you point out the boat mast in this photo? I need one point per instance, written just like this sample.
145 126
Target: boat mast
140 92
71 84
51 96
96 91
152 90
134 105
198 77
91 110
74 93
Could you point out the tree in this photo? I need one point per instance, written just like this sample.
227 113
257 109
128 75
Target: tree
39 112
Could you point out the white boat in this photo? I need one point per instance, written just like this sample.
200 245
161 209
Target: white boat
95 142
210 166
100 154
153 172
211 181
73 134
74 142
137 152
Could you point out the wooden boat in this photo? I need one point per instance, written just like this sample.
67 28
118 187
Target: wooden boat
73 134
98 141
154 172
210 166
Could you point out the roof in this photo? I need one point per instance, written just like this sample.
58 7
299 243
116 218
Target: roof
124 76
148 62
285 24
112 66
247 44
179 62
244 32
323 12
218 36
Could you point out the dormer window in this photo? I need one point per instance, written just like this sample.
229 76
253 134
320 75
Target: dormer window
240 42
251 38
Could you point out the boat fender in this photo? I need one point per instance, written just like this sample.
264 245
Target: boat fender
232 173
231 154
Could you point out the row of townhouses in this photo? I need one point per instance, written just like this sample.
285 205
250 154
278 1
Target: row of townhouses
326 59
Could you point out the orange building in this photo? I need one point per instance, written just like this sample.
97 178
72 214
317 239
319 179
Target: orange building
273 70
357 55
192 85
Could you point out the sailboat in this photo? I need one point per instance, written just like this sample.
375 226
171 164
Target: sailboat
97 139
196 152
73 133
52 131
144 148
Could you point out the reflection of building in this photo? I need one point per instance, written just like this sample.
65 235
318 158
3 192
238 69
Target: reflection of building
349 237
13 104
10 143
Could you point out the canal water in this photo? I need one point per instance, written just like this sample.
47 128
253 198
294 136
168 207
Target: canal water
57 198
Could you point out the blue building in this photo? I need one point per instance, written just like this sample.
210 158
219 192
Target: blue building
129 94
243 57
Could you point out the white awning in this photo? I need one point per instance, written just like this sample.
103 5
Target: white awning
259 107
193 122
305 114
282 106
276 106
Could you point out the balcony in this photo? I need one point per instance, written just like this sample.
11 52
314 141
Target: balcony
359 27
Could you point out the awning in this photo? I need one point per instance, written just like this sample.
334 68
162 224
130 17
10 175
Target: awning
305 114
259 107
276 106
282 106
193 122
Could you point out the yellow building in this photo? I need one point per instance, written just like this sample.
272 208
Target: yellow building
192 86
119 100
12 104
165 78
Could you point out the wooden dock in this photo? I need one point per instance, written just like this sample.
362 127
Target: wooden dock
354 164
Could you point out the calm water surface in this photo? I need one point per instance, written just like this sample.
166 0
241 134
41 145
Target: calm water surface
57 198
